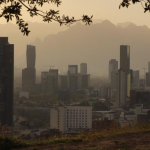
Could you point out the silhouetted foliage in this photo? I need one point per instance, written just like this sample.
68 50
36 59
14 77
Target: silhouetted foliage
145 4
13 8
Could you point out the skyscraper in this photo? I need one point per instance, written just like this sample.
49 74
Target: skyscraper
121 88
6 81
124 76
73 69
147 79
31 56
136 77
125 58
113 67
49 80
83 68
29 73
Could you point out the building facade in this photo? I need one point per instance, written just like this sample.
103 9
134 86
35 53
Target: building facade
113 67
124 76
147 79
83 68
49 80
31 56
72 69
136 77
71 117
121 88
6 81
29 73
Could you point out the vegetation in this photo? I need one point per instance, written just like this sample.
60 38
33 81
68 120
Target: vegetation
9 142
13 9
36 118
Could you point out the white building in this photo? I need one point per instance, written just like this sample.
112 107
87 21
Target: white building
71 117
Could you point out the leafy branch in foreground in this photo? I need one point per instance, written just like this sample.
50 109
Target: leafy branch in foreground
13 8
145 4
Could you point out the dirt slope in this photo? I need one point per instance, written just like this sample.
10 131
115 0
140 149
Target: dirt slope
138 141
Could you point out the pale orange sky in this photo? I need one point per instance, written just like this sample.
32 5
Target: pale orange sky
100 9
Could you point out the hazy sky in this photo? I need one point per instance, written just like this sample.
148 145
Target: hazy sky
101 9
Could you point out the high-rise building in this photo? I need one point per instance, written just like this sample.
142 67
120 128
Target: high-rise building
83 81
6 81
147 79
124 76
136 76
125 58
63 81
113 67
73 77
29 73
28 79
31 56
73 82
49 80
83 68
113 82
73 69
121 88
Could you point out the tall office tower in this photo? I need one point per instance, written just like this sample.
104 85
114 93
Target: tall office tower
125 58
83 81
52 79
113 82
136 76
149 66
63 81
49 80
73 69
28 79
121 88
29 73
124 76
6 81
73 77
31 56
113 67
147 79
83 68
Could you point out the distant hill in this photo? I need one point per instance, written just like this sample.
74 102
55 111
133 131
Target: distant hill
124 25
38 30
95 44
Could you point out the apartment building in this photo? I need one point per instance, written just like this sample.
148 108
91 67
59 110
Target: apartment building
65 118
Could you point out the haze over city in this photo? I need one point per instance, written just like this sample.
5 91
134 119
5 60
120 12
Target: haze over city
74 83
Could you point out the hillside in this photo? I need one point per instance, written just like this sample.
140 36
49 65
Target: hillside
95 44
128 138
130 141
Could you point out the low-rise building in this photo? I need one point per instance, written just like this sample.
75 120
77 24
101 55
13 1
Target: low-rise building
65 118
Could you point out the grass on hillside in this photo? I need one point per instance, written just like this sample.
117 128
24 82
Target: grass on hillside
8 142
